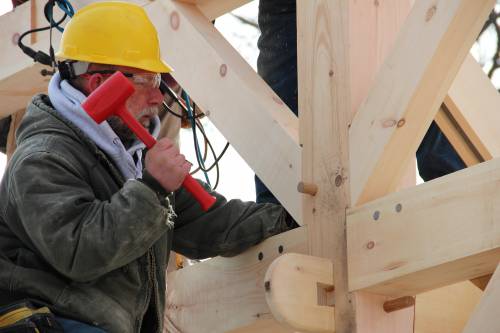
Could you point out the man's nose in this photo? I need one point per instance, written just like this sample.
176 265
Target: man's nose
155 97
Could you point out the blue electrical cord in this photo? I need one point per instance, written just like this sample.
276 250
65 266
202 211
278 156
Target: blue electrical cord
197 149
64 5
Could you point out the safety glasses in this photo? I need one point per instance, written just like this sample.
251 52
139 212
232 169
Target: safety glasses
146 80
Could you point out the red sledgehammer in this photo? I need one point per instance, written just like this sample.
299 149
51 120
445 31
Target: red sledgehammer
109 99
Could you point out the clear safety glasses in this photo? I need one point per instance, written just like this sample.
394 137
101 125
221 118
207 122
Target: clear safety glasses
146 80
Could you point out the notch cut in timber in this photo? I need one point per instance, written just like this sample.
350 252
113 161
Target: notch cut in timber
299 290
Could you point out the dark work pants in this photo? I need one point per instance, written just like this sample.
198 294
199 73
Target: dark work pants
277 65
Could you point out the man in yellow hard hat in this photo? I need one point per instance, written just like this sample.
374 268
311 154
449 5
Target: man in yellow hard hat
86 221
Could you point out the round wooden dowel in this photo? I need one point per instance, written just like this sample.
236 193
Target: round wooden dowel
399 303
307 188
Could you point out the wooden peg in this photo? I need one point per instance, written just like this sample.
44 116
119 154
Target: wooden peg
307 188
399 303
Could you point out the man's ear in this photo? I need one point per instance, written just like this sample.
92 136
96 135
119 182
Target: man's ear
93 82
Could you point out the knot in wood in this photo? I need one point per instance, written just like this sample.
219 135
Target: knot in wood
430 13
389 123
223 70
175 20
15 38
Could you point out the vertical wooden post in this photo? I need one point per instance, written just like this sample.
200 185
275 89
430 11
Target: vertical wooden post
33 21
341 45
324 115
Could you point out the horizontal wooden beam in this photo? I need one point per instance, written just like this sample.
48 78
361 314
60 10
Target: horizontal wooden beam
224 294
421 238
408 91
297 289
240 104
215 8
485 317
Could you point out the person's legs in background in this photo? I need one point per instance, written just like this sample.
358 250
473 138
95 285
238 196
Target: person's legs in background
277 61
436 156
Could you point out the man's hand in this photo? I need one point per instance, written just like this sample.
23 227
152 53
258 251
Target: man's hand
167 165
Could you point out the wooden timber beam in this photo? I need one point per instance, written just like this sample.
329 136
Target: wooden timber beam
473 103
446 309
226 294
215 8
326 99
393 119
485 316
435 234
469 119
325 111
242 106
457 137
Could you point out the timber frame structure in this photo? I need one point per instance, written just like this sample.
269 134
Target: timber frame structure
373 74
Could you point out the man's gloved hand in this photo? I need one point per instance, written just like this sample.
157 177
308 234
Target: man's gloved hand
167 165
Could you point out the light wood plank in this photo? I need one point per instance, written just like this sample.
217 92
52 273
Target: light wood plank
474 103
324 110
435 234
408 91
215 8
240 104
447 309
262 326
485 316
457 137
293 283
224 294
374 27
11 137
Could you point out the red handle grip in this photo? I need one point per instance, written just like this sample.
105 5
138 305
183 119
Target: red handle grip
198 192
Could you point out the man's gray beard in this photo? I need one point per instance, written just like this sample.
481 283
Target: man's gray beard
125 134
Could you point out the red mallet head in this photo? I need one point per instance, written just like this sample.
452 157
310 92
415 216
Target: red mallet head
109 99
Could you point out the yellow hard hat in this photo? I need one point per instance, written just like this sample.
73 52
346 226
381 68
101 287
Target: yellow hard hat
113 33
